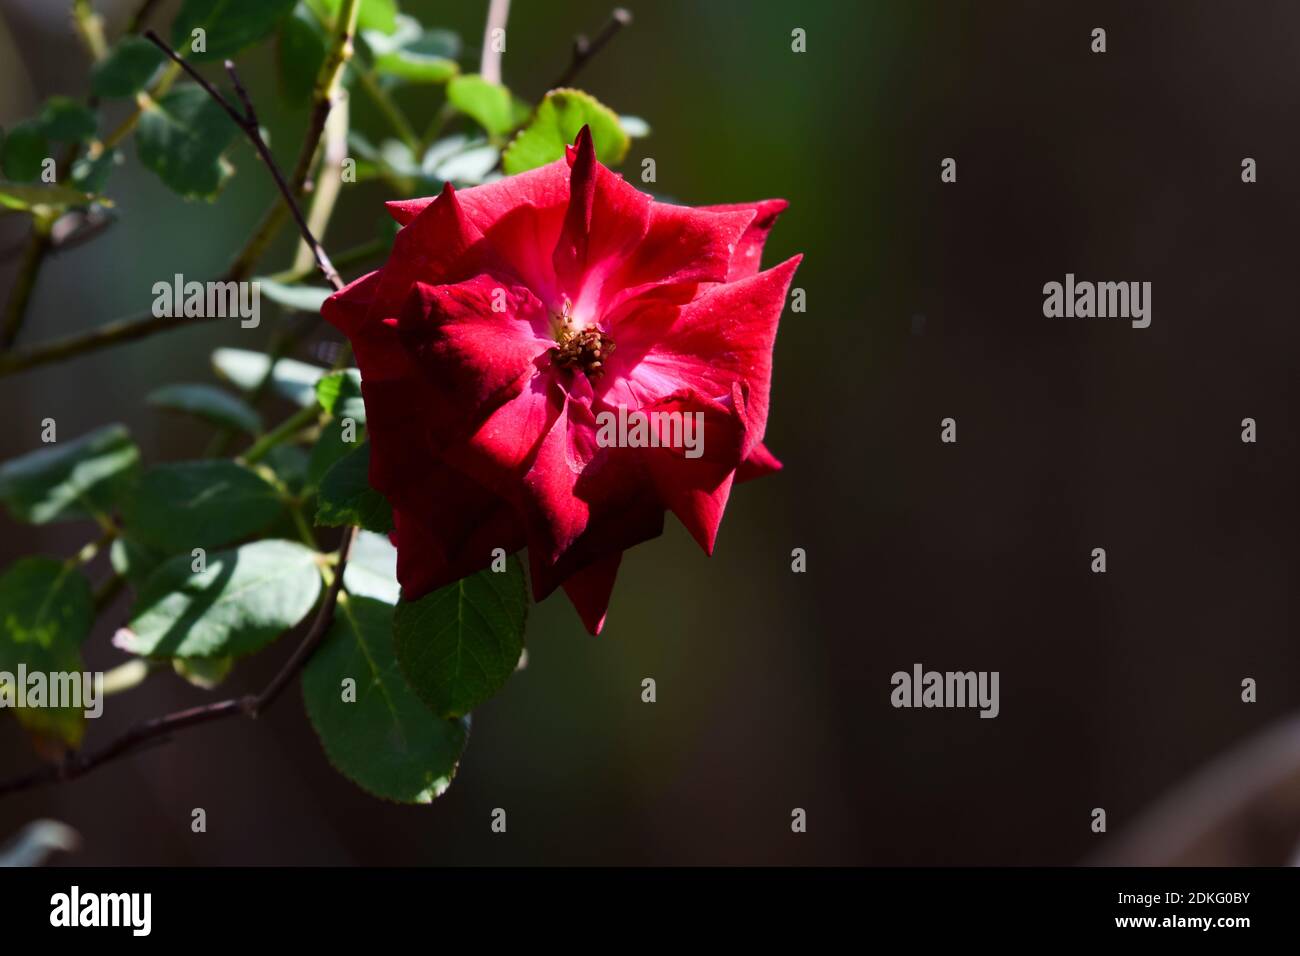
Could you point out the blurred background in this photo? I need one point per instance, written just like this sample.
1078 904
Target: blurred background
924 301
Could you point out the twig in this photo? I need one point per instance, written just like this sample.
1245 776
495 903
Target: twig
490 61
141 15
247 122
38 246
584 50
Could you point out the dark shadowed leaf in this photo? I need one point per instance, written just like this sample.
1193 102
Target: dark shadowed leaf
25 149
198 504
346 497
228 25
384 739
64 120
133 560
459 645
181 138
46 611
68 480
210 403
127 69
300 51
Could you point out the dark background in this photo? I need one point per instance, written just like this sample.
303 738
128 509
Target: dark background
773 688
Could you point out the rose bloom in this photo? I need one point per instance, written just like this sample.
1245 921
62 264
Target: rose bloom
507 318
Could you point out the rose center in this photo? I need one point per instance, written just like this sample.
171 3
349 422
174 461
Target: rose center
584 349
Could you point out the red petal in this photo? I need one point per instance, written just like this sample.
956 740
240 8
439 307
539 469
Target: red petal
749 251
722 338
681 245
478 343
590 590
759 463
440 245
451 533
696 488
605 220
379 353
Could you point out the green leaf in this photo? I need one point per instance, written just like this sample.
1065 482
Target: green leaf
69 480
203 672
230 25
134 560
210 403
488 104
346 496
300 52
199 504
289 462
413 67
339 393
328 450
25 150
385 741
91 175
181 138
378 15
46 611
242 601
303 298
42 199
127 69
558 120
67 121
372 568
292 379
459 645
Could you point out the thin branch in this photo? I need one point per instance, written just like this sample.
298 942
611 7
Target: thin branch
141 15
38 246
247 122
585 50
490 61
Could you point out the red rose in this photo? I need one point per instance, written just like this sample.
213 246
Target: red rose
515 320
